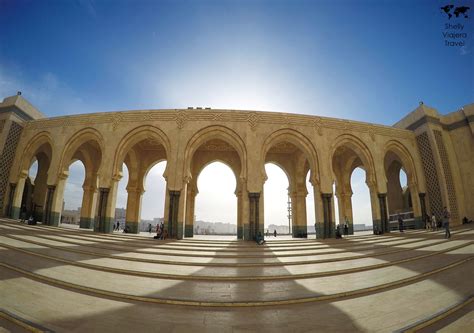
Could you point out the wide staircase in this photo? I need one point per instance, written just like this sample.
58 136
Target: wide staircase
64 280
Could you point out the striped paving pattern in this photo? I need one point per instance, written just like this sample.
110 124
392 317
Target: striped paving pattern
55 279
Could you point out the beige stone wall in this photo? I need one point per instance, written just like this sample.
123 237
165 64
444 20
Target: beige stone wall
330 149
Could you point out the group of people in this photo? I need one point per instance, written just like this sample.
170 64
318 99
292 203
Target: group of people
274 233
161 232
338 230
345 229
433 223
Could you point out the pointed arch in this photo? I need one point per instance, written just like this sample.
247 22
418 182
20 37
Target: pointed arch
300 141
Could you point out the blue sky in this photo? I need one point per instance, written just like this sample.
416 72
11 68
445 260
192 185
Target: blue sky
362 60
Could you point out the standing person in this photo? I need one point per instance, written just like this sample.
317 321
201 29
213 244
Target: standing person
446 216
149 228
274 233
427 222
346 226
400 223
434 225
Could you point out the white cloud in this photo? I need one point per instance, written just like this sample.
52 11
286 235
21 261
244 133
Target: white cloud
47 92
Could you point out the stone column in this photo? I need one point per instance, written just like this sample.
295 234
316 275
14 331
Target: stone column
89 201
100 220
344 200
254 214
166 221
300 229
329 224
245 213
375 207
173 208
105 218
422 197
416 205
134 202
17 197
190 204
54 202
383 212
319 212
11 196
49 217
240 224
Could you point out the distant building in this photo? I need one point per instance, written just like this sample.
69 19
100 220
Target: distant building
71 216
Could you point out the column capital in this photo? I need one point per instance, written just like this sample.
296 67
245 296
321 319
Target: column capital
326 195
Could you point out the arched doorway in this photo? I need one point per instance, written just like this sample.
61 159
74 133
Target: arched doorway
73 194
215 207
277 201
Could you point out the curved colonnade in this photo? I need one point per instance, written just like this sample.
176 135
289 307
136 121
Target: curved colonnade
328 149
193 282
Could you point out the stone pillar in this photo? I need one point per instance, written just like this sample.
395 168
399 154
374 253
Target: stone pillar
107 197
245 213
166 211
134 202
319 212
375 207
416 205
423 205
11 196
384 223
254 215
51 217
89 201
181 212
101 218
240 224
190 204
17 197
300 229
328 224
345 210
173 208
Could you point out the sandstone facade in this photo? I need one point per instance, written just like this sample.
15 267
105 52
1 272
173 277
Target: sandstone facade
436 152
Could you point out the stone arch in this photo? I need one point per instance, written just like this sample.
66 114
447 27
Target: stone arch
300 141
404 156
396 156
346 154
40 140
30 199
75 142
135 136
294 153
360 149
220 133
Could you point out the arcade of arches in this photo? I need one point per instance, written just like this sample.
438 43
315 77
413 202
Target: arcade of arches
438 172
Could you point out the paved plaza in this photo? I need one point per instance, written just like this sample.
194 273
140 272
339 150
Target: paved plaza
67 280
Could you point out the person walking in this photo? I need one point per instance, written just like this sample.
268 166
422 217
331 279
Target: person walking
446 216
400 223
274 233
434 225
346 226
149 228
